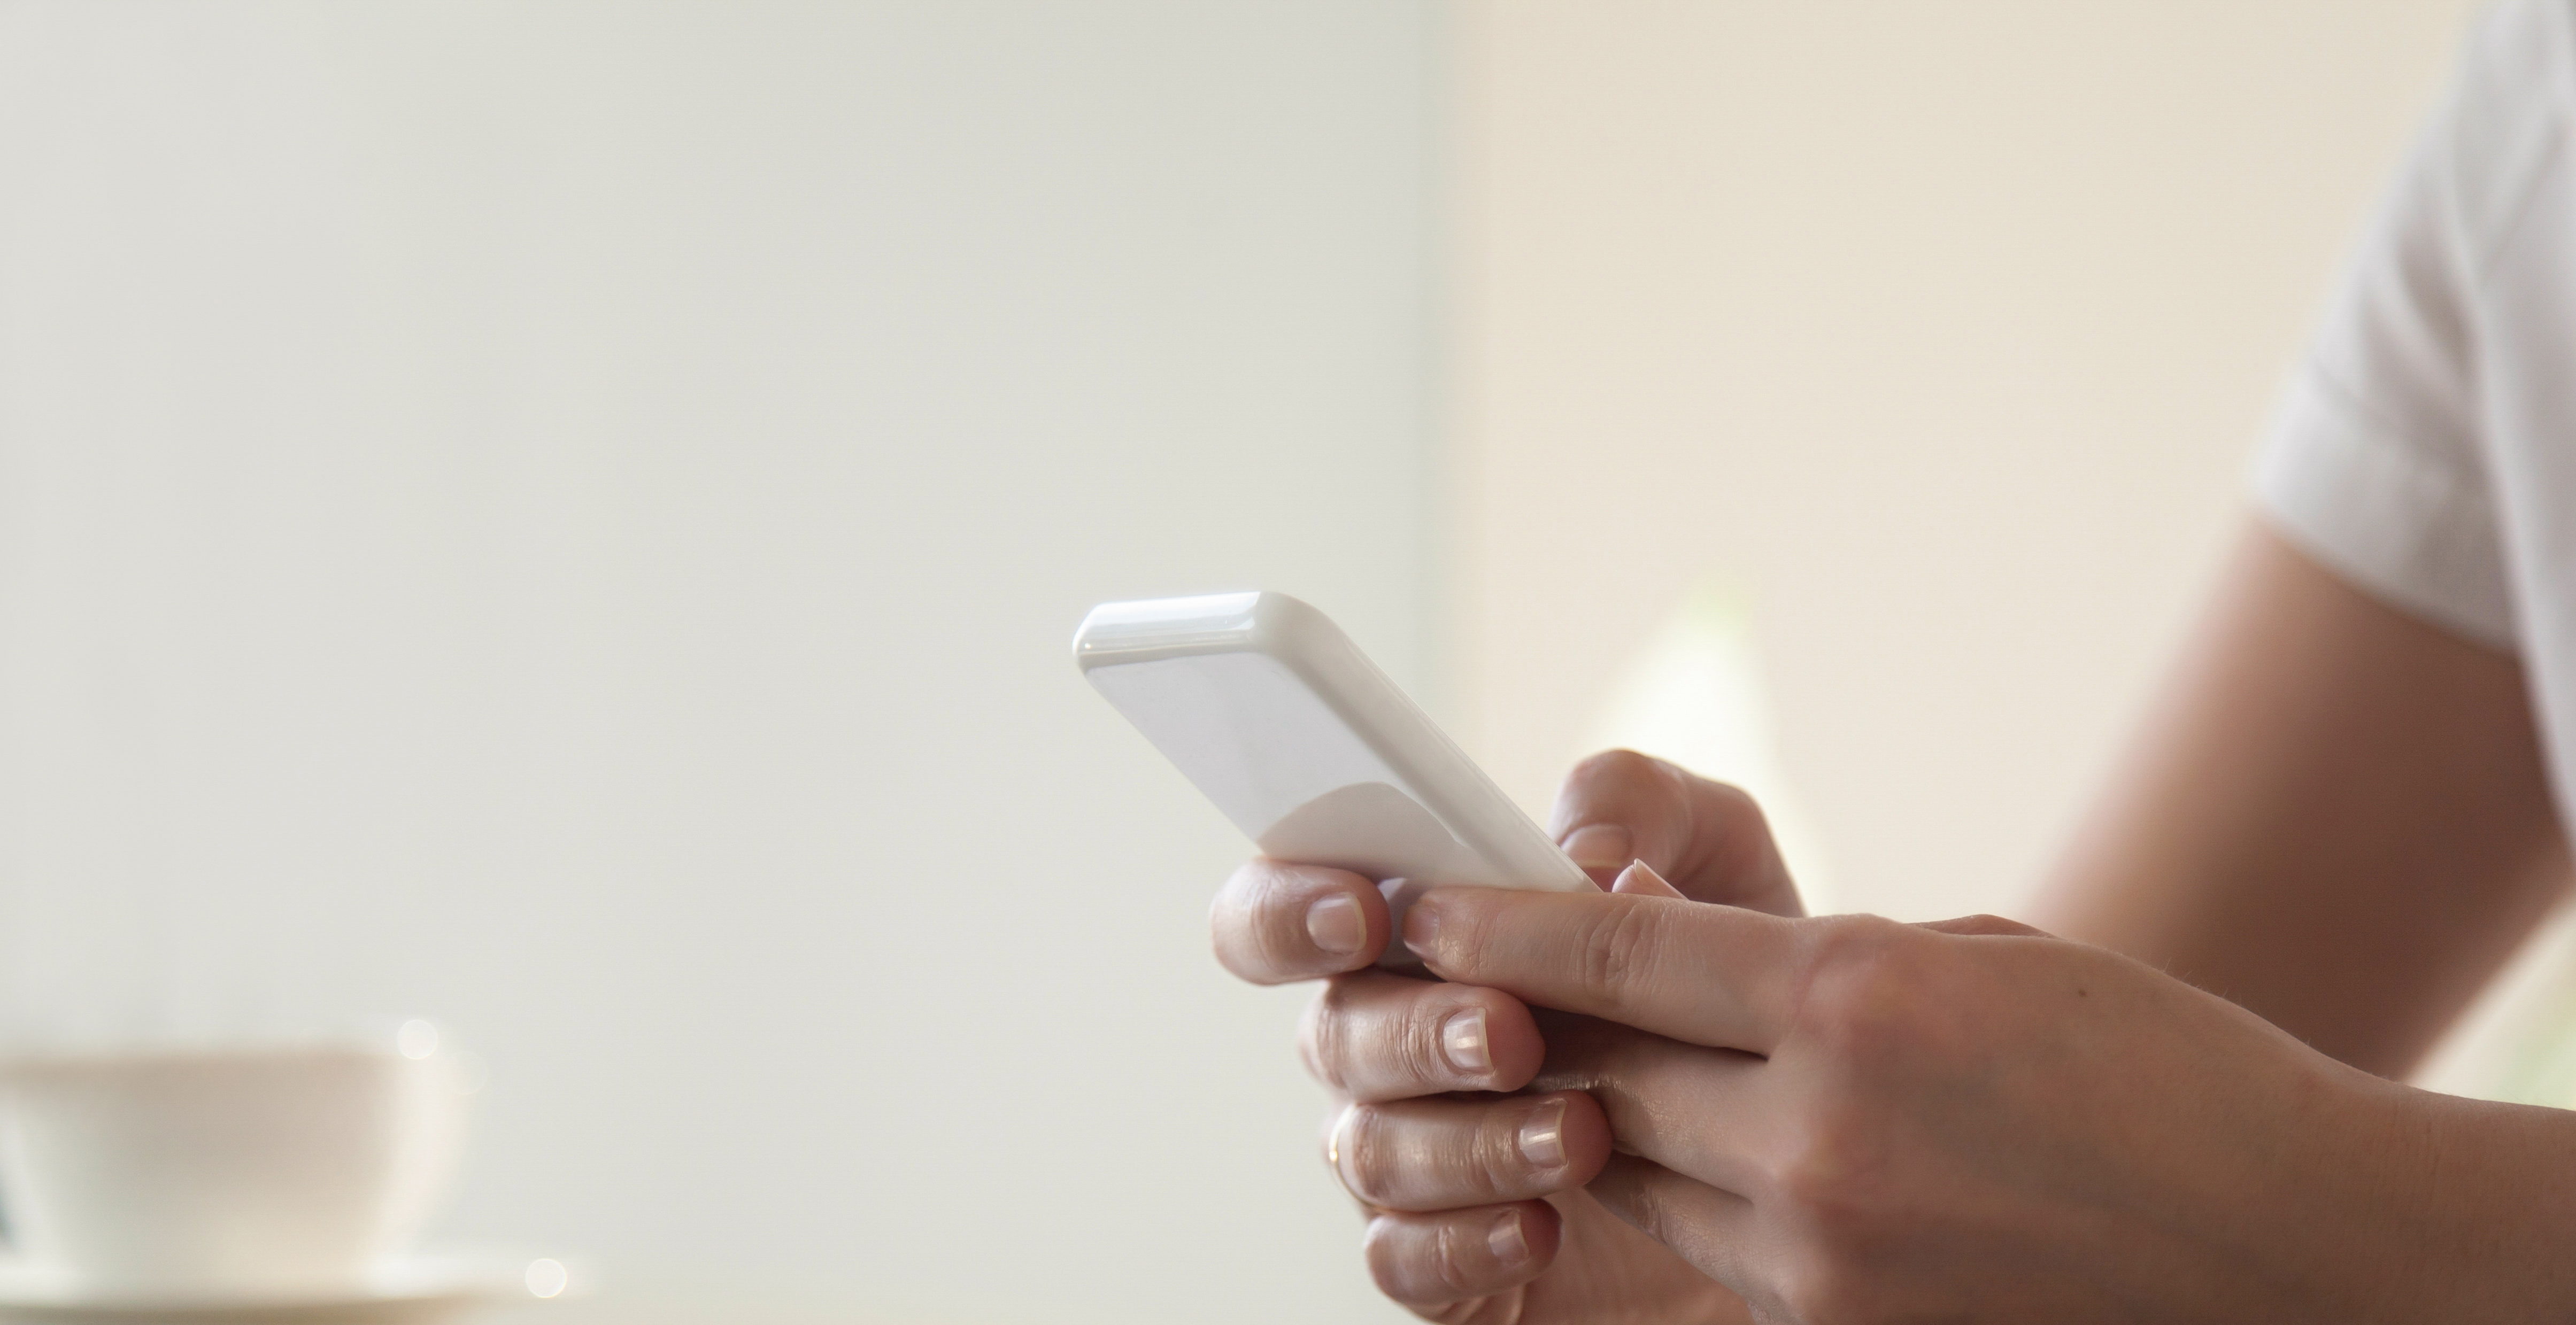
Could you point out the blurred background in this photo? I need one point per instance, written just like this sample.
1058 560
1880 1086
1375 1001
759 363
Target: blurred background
567 517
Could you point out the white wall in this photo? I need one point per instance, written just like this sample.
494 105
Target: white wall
1943 330
567 517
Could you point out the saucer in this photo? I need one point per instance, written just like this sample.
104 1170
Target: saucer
402 1290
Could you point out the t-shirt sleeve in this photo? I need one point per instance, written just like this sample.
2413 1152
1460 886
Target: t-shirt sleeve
2373 464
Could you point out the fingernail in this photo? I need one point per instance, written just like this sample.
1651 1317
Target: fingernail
1600 846
1640 877
1543 1136
1336 925
1462 1038
1421 928
1504 1239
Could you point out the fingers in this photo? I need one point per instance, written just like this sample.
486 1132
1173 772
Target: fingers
1447 1154
1433 1260
1710 839
1620 806
1704 1113
1711 975
1374 1036
1273 923
1712 1229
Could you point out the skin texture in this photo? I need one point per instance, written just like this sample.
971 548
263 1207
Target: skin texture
1374 1039
2336 817
2337 820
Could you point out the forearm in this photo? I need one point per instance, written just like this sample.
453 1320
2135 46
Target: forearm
2480 1221
2336 818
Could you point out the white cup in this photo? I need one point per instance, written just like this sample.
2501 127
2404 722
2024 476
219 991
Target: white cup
216 1173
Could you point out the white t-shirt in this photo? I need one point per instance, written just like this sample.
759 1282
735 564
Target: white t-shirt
2426 450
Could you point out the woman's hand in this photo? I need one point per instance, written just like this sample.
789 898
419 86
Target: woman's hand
1475 1195
1853 1120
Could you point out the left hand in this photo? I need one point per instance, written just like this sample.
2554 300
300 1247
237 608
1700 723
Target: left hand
1433 1146
1849 1119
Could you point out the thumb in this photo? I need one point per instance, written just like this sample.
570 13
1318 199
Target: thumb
1708 838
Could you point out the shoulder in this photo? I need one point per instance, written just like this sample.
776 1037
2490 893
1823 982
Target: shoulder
2506 127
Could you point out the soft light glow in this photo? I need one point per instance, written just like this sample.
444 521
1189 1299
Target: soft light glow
546 1278
416 1039
1693 694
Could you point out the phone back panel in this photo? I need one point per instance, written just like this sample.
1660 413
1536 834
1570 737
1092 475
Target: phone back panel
1307 747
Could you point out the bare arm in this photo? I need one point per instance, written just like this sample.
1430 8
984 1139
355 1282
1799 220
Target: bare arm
2336 818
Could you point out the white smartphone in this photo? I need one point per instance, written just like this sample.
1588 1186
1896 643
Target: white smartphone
1309 748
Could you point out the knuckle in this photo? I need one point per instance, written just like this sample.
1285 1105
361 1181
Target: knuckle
1495 1168
1226 923
1416 1053
1258 920
1245 922
1446 1264
1616 947
1832 1176
1360 1157
1320 1036
1867 988
1275 931
1415 1264
1364 1046
1387 1248
1241 885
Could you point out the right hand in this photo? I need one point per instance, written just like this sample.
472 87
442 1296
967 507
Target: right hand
1474 1194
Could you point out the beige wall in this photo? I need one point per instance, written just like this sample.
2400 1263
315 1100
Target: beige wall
567 517
1944 329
